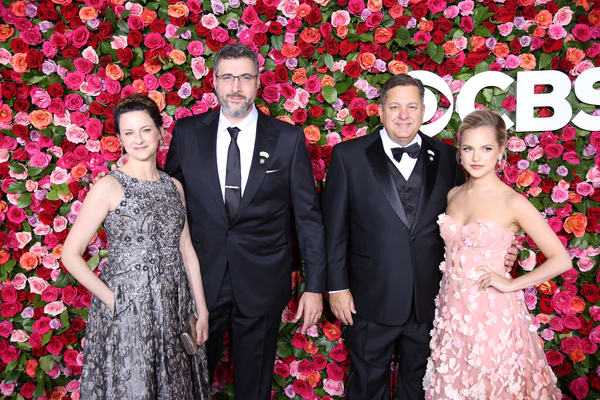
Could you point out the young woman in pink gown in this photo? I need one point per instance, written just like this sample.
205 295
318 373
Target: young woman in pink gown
484 344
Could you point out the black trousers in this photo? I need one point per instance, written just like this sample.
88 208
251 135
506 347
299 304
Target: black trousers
372 346
254 341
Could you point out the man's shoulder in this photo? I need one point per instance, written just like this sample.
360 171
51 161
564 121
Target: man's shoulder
199 118
358 143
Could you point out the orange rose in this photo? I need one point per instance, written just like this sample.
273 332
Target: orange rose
366 61
501 50
111 143
321 70
575 197
576 224
575 55
303 10
159 99
314 379
577 304
372 109
543 19
374 5
286 118
264 109
299 76
397 67
19 62
584 4
148 16
425 26
539 32
29 261
114 72
331 331
58 393
527 61
594 17
139 86
118 2
577 355
4 256
477 42
40 119
78 171
525 178
312 133
178 56
296 278
18 8
5 32
62 2
88 13
290 51
152 69
548 288
383 35
311 35
342 31
179 10
5 114
524 3
3 206
327 81
30 367
57 252
450 49
396 11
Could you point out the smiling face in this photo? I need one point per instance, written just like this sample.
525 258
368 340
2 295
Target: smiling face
402 114
479 150
139 135
236 98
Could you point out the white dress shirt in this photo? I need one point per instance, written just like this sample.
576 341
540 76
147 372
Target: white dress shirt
406 164
245 141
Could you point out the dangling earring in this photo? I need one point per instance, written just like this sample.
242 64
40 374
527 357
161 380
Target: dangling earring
500 159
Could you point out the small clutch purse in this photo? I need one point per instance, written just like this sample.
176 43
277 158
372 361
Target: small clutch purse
188 334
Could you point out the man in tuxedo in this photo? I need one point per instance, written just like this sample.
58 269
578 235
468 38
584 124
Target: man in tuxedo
383 195
241 169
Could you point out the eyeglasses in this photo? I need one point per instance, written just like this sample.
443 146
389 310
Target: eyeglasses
245 79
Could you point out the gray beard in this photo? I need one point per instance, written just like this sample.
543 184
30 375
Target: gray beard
232 111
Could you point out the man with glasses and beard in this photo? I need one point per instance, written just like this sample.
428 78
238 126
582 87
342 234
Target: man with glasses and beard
241 171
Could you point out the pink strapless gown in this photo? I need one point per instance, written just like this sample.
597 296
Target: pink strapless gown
484 344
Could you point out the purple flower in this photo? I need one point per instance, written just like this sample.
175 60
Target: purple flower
27 312
291 63
217 6
562 170
525 41
31 10
491 42
519 22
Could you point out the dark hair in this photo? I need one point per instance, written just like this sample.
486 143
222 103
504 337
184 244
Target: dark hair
484 118
235 52
137 102
401 80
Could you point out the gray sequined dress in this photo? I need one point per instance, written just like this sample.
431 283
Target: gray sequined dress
137 353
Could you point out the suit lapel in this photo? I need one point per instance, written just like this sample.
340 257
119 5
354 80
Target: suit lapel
207 141
432 160
377 159
266 140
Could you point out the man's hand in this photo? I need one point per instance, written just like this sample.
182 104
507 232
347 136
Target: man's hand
342 305
311 304
511 256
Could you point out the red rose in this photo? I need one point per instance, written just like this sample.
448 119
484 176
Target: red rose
551 45
18 45
546 305
346 48
586 326
125 55
352 69
590 292
359 114
29 387
21 131
596 195
473 59
282 369
554 151
315 111
299 116
39 351
299 341
402 20
70 52
9 293
275 28
438 37
134 38
594 381
46 11
554 357
307 51
314 17
348 96
69 337
158 26
564 368
34 58
332 46
579 387
339 353
419 10
10 309
332 331
260 39
9 90
78 324
505 14
281 74
271 14
302 388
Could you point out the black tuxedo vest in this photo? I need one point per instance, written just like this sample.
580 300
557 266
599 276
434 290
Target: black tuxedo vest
409 191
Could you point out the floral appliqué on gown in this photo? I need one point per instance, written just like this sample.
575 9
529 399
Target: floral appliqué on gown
484 344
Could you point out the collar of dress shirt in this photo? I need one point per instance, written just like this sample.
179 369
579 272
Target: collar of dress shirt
388 144
250 121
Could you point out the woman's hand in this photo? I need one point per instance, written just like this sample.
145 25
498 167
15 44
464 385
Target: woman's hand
491 278
202 328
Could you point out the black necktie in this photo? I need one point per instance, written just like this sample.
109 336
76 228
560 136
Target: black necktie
412 151
233 176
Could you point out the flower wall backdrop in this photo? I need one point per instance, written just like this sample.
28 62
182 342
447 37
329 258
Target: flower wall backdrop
65 63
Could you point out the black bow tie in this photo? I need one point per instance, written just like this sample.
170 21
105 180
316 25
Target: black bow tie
412 151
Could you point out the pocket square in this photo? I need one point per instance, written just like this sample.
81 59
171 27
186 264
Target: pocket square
271 171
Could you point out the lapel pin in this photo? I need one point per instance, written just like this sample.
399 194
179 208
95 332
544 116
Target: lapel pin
263 156
431 154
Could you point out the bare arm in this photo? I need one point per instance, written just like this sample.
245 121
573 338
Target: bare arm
104 196
192 268
558 260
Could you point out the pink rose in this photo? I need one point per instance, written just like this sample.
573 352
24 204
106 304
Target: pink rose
271 93
16 214
299 341
555 223
561 301
556 324
220 35
6 328
209 21
154 41
335 372
582 67
563 16
135 22
313 85
55 346
195 47
306 367
42 325
569 344
340 18
167 81
587 346
579 387
80 36
37 285
19 281
356 7
436 6
339 353
333 388
303 389
571 321
556 32
582 32
554 357
585 264
333 139
515 144
559 195
547 334
571 157
466 7
451 12
535 153
282 369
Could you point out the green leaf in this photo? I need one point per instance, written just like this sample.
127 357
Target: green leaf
277 41
16 168
12 377
52 195
153 6
64 319
16 187
482 67
46 362
111 16
94 261
34 171
6 268
328 58
39 389
435 52
179 44
284 350
488 94
329 94
63 280
545 60
125 14
122 26
24 200
366 37
482 31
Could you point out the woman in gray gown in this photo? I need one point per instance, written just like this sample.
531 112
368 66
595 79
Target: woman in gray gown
133 348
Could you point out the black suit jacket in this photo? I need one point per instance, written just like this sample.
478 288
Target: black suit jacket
390 262
256 245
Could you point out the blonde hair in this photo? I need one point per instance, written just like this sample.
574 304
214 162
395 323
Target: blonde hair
483 118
